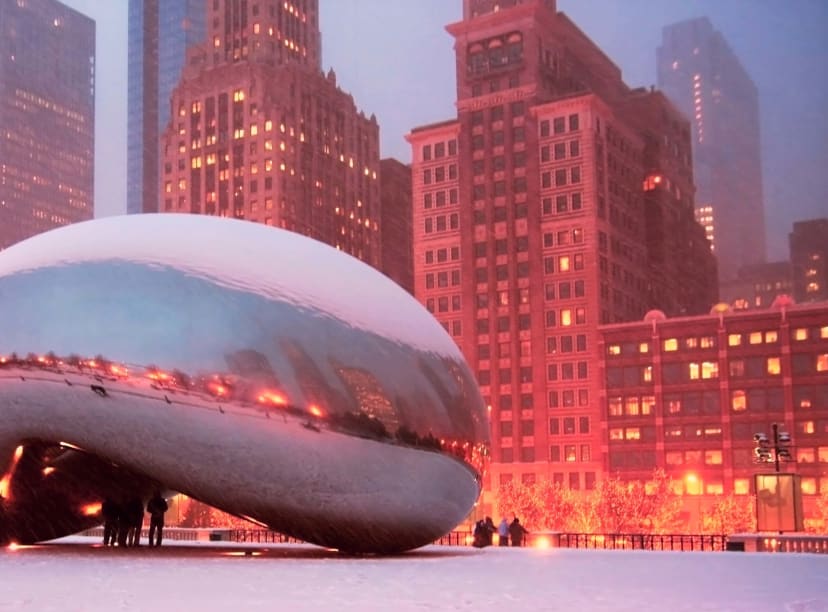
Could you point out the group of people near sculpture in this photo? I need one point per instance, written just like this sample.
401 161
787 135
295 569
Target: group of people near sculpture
507 532
123 521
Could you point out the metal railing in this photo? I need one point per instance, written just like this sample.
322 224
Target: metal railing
636 541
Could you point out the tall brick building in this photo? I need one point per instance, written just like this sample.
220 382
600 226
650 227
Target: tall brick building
535 221
258 132
47 118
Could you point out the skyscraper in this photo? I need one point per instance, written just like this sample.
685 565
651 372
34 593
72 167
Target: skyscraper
258 132
47 110
704 78
159 34
395 235
809 260
546 208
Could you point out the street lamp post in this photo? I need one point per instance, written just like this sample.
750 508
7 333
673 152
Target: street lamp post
773 450
778 495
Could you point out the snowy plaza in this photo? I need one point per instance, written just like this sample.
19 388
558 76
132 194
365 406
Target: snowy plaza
78 574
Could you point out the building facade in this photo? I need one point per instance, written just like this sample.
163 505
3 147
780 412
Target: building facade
258 132
687 394
530 227
809 260
159 35
395 194
703 77
47 118
758 285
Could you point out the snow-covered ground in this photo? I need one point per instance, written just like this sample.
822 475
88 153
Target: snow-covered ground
77 574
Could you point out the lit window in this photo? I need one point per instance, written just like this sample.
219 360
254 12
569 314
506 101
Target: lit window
631 406
774 366
734 339
755 337
712 457
615 406
741 486
566 317
809 486
822 362
805 455
674 457
707 342
691 342
647 404
823 332
616 434
801 333
822 454
714 488
710 369
694 371
647 373
670 345
738 401
771 336
632 433
563 263
644 347
807 427
614 349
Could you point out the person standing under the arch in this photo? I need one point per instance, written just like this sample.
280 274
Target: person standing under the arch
156 507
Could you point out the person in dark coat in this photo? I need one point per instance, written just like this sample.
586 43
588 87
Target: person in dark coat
156 507
517 532
490 529
134 515
110 512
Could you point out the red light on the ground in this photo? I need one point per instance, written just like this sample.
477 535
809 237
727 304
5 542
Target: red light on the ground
13 546
542 542
117 370
315 410
48 470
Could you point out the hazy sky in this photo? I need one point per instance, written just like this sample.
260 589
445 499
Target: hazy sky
397 60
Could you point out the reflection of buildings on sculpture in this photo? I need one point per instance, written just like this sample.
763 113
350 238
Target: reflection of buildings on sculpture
369 396
689 393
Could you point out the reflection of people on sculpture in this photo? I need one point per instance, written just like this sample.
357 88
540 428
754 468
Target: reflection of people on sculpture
110 511
156 507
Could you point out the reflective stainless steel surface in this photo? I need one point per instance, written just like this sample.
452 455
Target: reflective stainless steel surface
257 370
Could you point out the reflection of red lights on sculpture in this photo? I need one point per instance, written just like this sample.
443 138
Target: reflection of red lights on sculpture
91 509
217 389
159 376
272 397
119 371
6 480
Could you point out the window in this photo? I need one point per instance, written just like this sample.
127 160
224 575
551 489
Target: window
822 362
734 340
774 366
800 334
738 401
670 344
